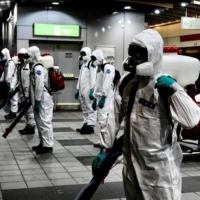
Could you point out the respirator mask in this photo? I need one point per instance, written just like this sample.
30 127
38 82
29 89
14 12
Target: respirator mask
24 58
137 61
95 62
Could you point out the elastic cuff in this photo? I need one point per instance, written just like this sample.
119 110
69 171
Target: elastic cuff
174 87
104 150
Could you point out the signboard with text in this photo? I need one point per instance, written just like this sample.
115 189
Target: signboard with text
190 23
57 30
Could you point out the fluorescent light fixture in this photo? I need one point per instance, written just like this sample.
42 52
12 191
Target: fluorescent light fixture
127 7
183 4
115 12
157 11
55 3
196 2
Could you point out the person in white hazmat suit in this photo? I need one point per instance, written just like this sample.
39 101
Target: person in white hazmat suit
151 153
10 77
42 101
104 88
24 88
87 78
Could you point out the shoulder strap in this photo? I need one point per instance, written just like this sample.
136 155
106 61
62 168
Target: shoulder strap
47 88
168 111
132 99
37 65
103 65
124 82
88 66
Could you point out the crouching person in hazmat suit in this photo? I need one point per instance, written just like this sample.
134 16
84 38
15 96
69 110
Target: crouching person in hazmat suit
42 101
151 153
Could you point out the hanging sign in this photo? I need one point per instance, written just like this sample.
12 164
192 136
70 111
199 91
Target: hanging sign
190 23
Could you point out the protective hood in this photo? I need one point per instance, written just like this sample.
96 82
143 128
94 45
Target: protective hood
87 51
151 40
23 51
34 53
99 56
6 53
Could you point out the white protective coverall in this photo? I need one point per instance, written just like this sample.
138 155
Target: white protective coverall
151 154
10 76
40 79
86 80
104 87
24 84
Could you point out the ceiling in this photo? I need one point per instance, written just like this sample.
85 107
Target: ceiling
170 11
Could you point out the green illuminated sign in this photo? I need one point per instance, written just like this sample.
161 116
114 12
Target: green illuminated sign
57 30
190 23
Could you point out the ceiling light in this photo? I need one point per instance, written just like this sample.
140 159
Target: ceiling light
196 2
55 3
183 4
115 12
127 7
157 11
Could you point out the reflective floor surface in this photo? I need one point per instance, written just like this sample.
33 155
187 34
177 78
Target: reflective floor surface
62 174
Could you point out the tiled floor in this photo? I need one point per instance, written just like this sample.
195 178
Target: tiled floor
61 175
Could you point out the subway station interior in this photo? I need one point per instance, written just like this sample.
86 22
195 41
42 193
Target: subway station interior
61 29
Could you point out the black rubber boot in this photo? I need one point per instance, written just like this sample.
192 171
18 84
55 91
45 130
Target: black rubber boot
27 130
87 130
11 115
44 150
36 148
97 145
80 129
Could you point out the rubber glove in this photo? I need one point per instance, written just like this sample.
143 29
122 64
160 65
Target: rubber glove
37 106
164 81
9 88
102 102
94 104
91 95
23 100
97 162
76 95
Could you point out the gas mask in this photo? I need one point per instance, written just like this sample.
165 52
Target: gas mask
85 58
28 60
97 63
24 58
137 61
